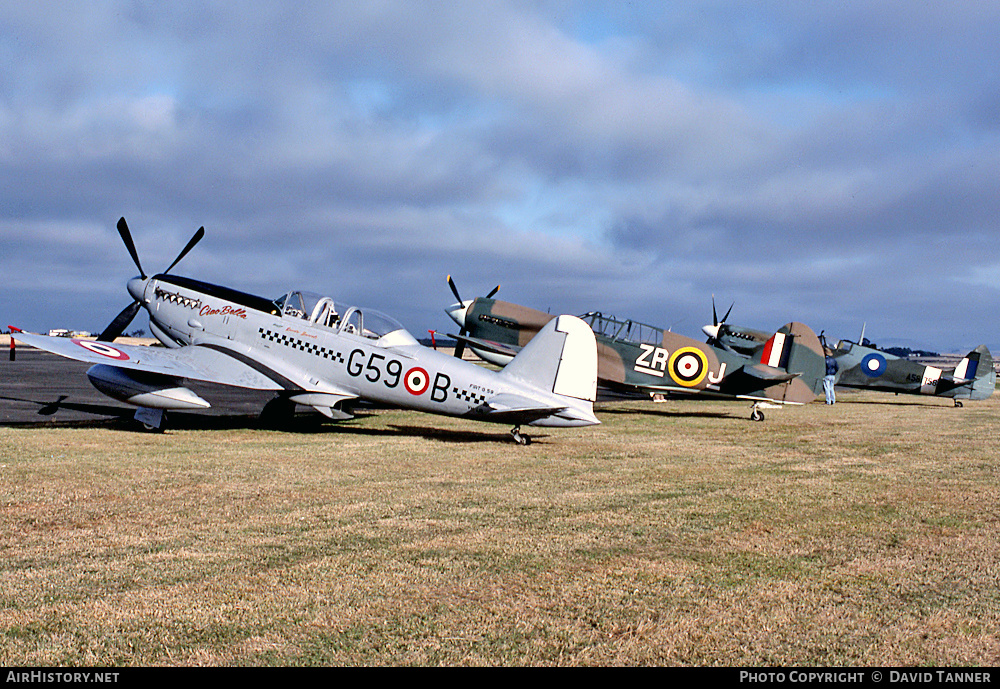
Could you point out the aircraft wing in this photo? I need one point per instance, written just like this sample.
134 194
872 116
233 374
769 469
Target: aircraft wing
212 365
488 345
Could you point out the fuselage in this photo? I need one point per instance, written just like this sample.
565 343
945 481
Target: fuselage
633 356
322 352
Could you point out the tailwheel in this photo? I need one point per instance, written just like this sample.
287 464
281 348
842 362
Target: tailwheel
958 403
756 414
518 437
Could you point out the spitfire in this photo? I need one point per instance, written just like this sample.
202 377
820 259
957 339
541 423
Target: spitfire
636 357
973 378
313 351
866 367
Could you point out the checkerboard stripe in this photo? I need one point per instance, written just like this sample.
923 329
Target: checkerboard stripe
301 345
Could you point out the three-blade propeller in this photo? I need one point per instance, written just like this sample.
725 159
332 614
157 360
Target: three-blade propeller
123 319
460 346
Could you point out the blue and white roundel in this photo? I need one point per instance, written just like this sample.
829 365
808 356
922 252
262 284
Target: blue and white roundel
873 365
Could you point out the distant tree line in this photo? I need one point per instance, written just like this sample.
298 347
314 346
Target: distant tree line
907 352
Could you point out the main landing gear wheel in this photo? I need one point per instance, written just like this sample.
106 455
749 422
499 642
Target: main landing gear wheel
518 438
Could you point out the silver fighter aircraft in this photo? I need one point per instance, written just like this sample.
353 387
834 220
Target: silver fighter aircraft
313 351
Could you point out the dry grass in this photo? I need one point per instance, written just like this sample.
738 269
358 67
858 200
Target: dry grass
676 533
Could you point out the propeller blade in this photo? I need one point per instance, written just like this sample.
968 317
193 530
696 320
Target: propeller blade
190 245
715 318
454 290
460 347
728 312
130 245
118 325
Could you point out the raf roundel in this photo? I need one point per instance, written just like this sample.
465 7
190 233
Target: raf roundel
873 365
688 366
416 381
102 349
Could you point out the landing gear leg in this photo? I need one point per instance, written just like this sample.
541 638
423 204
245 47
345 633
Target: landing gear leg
515 433
151 419
277 414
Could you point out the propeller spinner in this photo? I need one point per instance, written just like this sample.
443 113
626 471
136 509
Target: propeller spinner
136 286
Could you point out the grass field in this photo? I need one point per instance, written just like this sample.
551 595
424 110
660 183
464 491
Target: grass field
673 534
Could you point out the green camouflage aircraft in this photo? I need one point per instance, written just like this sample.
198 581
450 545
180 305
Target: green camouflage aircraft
866 367
639 358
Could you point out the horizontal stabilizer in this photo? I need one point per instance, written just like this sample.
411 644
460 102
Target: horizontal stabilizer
517 409
509 407
509 402
768 374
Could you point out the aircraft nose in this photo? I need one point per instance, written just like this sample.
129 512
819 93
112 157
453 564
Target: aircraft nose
458 312
136 286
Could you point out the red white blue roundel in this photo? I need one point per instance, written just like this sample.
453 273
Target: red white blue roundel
102 349
416 381
873 365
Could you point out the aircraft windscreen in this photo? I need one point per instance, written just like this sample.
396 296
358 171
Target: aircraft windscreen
376 326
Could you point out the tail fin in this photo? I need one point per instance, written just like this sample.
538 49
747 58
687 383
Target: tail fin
560 362
795 349
561 358
776 351
977 366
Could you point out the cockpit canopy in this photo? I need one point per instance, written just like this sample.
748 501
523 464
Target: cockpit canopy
325 312
627 331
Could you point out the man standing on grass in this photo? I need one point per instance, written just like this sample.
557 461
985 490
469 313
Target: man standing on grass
830 378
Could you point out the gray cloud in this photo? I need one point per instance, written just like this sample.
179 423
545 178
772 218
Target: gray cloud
833 163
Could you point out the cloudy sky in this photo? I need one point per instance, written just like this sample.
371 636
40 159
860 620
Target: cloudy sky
835 163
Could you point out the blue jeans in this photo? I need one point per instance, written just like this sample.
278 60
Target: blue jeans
831 397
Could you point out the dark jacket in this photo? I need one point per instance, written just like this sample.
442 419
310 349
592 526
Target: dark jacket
831 366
